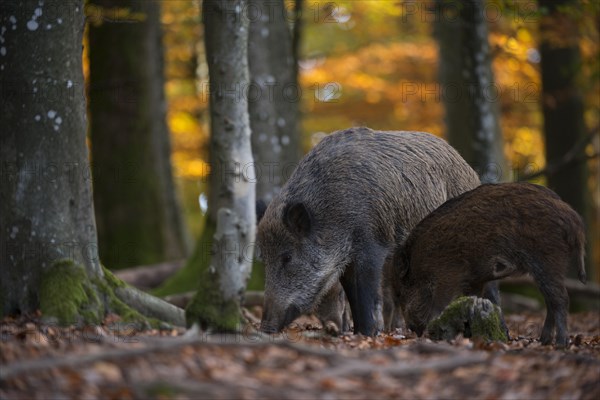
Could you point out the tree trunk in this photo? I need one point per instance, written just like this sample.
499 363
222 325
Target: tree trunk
136 206
562 103
273 102
468 89
273 98
297 38
49 252
46 212
232 181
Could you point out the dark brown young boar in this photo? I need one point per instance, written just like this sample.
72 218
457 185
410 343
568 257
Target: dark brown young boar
350 201
484 235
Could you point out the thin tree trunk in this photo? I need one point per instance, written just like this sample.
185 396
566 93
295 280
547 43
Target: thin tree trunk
273 98
136 206
273 103
232 182
469 97
562 103
297 36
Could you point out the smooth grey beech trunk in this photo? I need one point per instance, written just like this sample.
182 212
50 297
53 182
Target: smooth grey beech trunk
273 97
46 211
48 244
469 95
216 305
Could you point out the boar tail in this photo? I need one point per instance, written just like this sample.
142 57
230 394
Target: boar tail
579 257
575 237
581 267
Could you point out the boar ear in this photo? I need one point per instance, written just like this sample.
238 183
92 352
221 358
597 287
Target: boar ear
501 268
261 207
297 219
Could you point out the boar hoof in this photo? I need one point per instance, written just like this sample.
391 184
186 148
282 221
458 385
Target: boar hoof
546 338
562 345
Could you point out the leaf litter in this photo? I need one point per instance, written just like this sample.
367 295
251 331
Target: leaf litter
40 361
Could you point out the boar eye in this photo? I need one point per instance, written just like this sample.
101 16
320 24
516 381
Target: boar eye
286 258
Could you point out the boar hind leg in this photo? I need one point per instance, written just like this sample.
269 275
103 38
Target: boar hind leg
492 293
389 312
362 283
557 305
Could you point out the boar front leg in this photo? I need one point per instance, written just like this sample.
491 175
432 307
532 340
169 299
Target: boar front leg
362 284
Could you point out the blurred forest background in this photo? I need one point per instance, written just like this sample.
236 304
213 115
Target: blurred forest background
359 62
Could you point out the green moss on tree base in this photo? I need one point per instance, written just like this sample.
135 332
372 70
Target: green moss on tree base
111 279
210 311
67 294
471 316
207 308
128 315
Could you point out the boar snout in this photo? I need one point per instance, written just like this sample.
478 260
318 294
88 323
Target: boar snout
276 318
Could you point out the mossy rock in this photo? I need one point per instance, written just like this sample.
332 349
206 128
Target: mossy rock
471 317
67 295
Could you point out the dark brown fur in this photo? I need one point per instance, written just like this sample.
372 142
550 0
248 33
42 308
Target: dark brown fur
486 234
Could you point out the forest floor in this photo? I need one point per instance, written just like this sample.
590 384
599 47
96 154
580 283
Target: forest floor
44 362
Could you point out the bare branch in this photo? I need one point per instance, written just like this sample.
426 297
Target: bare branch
573 156
574 287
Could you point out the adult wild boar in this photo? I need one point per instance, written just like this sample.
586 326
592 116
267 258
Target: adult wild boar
351 200
486 234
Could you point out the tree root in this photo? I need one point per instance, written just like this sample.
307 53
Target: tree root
150 306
